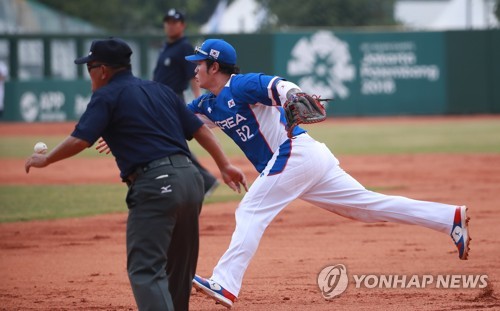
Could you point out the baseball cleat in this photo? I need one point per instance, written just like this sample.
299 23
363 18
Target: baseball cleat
214 291
460 232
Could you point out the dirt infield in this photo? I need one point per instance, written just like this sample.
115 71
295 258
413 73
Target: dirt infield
79 264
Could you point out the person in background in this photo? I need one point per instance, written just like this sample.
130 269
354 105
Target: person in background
4 73
146 127
173 70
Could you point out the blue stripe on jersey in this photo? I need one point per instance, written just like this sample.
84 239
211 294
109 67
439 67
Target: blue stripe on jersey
282 158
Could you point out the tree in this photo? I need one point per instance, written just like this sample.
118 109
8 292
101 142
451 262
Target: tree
139 16
497 10
136 16
322 13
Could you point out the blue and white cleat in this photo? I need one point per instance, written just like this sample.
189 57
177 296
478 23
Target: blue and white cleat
214 291
460 232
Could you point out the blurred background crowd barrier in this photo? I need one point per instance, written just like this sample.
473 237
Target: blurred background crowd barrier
373 57
367 73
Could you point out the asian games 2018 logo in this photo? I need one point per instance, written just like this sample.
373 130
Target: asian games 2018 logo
321 64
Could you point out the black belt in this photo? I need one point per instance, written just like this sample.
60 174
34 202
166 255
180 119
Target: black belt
175 160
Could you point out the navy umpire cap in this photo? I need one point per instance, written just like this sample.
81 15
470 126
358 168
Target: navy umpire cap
214 49
112 51
173 14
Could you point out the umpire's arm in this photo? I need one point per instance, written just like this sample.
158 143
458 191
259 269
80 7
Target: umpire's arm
67 148
231 175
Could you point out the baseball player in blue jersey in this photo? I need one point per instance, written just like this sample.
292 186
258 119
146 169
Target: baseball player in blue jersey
248 108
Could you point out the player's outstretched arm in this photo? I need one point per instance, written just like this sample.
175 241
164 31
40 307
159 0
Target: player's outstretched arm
231 175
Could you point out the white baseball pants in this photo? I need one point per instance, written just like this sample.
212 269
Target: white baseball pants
313 174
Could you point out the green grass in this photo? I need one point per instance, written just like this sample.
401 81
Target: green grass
477 136
22 146
61 201
22 203
455 137
464 136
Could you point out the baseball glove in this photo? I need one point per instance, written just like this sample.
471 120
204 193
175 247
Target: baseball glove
301 108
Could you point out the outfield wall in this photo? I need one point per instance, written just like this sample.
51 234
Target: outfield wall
367 73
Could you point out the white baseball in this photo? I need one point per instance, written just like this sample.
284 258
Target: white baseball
40 147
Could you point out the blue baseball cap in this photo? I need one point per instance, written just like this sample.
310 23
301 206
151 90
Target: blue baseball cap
214 49
112 51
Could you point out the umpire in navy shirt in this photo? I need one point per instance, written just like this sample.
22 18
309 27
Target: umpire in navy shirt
146 127
173 70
